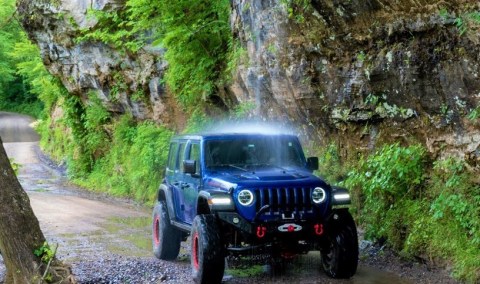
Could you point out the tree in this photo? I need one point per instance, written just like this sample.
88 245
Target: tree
15 92
21 236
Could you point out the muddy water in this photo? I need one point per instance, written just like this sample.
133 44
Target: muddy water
306 269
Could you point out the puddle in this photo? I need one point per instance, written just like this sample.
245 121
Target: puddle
132 222
305 268
133 235
122 236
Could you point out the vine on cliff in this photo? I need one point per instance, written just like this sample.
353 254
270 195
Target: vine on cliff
195 34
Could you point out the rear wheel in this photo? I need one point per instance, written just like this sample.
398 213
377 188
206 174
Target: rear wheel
340 255
166 239
207 257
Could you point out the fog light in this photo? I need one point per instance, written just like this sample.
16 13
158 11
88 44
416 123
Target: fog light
219 201
341 197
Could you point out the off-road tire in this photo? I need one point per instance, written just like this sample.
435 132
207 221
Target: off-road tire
208 255
340 254
166 239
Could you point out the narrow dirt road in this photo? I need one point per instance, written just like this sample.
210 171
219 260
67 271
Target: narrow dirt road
93 232
107 240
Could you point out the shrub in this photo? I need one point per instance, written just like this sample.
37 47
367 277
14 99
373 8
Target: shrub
385 181
420 210
134 164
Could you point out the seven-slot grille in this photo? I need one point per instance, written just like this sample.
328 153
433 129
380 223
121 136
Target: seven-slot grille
284 199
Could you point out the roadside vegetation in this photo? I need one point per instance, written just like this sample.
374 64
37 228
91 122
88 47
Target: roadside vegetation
16 92
419 207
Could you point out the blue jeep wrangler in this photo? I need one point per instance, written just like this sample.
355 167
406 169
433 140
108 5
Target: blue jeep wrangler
244 194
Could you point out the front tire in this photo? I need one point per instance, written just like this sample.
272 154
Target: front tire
207 257
166 239
340 255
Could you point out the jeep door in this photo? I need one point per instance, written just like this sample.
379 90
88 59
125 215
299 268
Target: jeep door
191 182
174 175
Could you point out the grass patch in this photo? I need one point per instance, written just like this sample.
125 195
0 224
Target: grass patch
247 271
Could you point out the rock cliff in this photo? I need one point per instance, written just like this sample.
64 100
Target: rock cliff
356 71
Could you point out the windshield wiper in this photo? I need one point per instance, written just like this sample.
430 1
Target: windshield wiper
229 165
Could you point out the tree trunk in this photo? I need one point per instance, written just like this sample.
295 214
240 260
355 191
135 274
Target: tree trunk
20 232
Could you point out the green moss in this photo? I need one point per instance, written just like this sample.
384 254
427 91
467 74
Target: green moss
245 272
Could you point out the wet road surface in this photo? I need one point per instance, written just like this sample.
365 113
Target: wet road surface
67 215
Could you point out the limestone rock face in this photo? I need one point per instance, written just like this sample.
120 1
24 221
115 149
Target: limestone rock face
123 82
358 71
365 71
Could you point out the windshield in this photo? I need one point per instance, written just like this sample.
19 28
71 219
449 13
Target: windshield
245 152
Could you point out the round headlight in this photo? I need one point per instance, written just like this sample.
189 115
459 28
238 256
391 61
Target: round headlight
245 197
318 195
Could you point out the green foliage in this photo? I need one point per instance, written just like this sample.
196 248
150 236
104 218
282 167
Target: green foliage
134 163
30 66
118 87
95 118
15 92
15 166
332 168
361 56
465 22
297 9
475 113
79 160
243 110
47 255
450 224
236 55
198 122
45 252
197 39
386 181
113 28
417 210
196 36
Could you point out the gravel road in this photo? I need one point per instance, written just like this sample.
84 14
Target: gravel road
107 240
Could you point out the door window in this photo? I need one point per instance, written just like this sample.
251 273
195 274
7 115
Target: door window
195 155
172 157
181 157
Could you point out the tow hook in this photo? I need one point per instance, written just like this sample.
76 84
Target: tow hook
318 229
261 230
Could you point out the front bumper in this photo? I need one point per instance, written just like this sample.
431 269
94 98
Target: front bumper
275 230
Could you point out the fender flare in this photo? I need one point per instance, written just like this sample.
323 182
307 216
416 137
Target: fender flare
204 201
165 194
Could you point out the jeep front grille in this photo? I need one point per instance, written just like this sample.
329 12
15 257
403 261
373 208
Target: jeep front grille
284 200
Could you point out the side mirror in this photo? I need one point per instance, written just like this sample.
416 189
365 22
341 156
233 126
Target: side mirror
189 166
312 163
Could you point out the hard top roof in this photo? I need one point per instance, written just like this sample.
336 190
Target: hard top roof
203 136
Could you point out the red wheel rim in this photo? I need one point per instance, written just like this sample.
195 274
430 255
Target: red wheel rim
196 265
156 228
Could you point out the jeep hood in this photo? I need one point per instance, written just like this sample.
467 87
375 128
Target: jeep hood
229 179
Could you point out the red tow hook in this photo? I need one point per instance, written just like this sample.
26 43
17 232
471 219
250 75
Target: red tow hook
318 229
261 230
